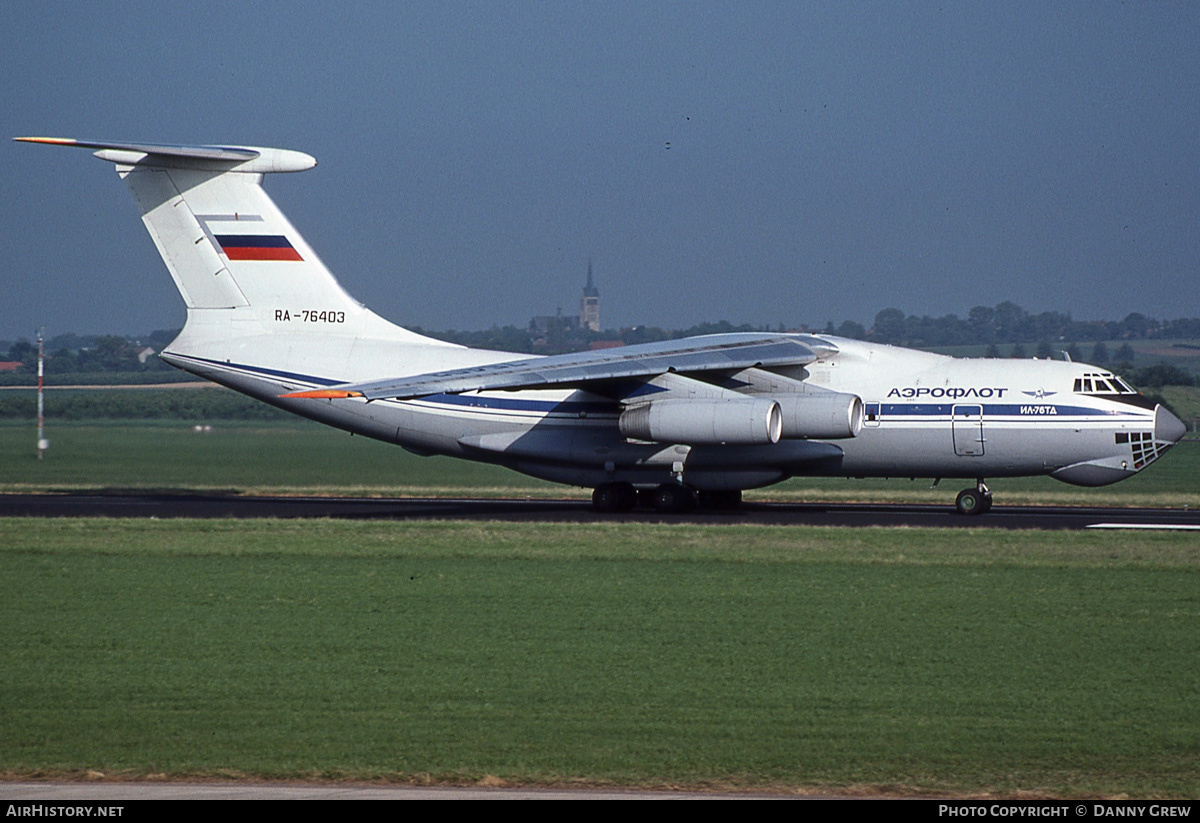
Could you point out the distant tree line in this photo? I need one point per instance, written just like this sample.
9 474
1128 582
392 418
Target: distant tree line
113 359
198 405
69 353
1009 323
1006 324
1158 375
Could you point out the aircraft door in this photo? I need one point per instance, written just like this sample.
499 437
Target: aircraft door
871 414
967 427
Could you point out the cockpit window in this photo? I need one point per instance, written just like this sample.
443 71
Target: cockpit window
1109 387
1102 383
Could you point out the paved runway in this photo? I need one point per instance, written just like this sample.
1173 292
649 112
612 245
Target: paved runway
576 511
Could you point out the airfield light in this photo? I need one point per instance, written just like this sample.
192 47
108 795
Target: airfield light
42 442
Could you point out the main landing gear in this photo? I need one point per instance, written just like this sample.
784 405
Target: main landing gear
974 501
667 498
614 497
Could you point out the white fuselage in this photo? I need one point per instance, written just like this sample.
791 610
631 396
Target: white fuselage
926 415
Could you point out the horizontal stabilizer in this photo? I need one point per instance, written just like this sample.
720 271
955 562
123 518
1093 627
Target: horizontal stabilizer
717 352
252 159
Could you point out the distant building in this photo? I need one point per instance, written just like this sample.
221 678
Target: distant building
589 304
543 324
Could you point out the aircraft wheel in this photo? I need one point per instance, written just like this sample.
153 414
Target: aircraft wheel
614 497
721 500
972 501
673 497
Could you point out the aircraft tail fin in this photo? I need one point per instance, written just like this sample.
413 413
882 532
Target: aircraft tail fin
229 248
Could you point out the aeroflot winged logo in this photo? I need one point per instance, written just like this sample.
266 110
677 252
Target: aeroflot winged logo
257 247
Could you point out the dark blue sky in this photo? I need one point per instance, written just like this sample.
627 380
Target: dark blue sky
755 162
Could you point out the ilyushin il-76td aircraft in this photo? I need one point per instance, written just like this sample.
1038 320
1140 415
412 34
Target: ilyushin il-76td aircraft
671 424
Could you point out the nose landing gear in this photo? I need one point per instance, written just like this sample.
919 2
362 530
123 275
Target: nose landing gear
974 501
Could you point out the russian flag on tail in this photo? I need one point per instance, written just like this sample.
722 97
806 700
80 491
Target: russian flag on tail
257 247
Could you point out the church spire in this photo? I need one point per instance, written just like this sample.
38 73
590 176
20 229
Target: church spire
589 303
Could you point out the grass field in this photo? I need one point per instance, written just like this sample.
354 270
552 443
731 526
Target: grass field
892 659
305 458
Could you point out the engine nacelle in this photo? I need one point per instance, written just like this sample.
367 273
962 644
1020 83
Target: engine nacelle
743 421
820 416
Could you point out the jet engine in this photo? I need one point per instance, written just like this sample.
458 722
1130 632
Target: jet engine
824 416
744 421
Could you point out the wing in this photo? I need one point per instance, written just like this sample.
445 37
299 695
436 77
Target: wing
692 355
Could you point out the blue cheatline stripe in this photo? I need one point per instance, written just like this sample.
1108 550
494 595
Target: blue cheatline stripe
260 371
1014 410
1000 410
